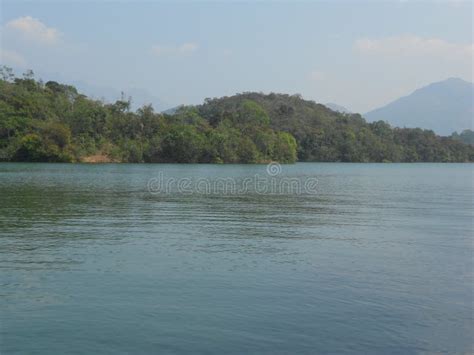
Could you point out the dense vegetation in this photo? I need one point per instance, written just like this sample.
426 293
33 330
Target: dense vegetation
53 122
326 135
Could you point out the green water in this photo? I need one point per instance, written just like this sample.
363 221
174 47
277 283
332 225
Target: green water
377 260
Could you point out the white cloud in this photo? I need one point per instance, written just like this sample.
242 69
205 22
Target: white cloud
410 45
12 58
183 49
316 75
31 29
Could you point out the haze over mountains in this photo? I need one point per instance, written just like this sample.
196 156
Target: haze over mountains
139 97
444 107
337 108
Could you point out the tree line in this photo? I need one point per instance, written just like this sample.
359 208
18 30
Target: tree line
52 122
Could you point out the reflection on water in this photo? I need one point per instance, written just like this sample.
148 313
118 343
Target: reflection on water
379 260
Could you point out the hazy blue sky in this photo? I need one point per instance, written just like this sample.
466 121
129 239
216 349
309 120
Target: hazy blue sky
357 54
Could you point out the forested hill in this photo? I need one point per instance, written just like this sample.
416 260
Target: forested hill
326 135
53 122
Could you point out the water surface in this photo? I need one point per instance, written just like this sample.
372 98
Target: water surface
379 260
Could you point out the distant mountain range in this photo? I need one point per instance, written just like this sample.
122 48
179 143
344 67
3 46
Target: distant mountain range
337 108
444 107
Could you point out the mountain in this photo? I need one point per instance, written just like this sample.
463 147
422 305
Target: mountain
337 108
444 107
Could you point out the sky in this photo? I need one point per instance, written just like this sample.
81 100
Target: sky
359 54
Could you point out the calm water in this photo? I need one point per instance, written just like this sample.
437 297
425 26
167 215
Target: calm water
379 260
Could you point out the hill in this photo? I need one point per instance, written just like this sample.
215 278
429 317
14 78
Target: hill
55 123
444 107
325 135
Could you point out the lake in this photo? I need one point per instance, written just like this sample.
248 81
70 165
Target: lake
372 258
